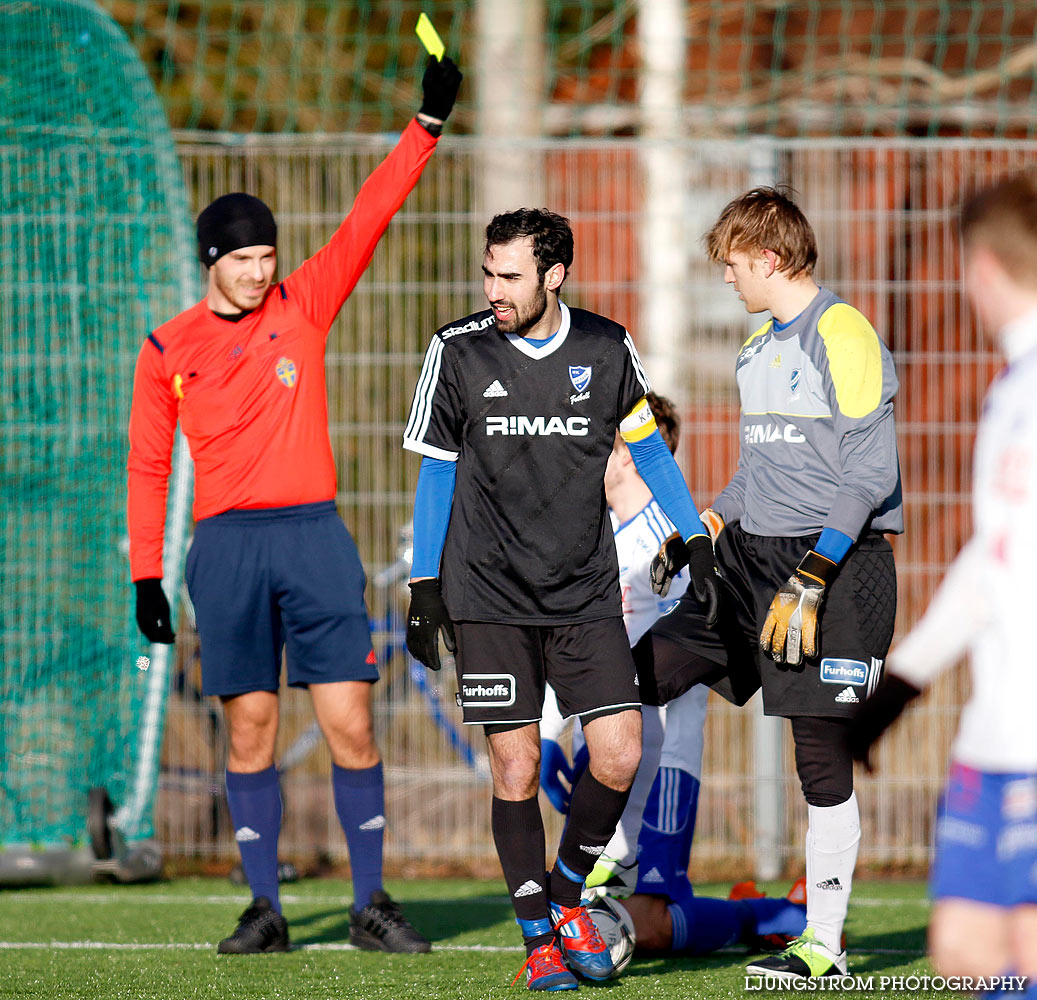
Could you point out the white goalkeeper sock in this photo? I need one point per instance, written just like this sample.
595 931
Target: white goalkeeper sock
833 836
623 845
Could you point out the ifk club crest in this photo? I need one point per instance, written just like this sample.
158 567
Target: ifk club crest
286 372
580 376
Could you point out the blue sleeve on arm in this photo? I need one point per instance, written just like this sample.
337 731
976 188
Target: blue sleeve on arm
833 544
656 466
432 501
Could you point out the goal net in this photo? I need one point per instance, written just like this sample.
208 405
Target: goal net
94 240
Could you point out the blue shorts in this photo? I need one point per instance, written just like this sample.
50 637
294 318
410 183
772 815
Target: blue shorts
282 578
667 828
986 838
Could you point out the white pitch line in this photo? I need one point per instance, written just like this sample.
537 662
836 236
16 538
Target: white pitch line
152 899
323 946
207 945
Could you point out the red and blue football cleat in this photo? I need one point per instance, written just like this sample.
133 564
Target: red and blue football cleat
545 970
582 946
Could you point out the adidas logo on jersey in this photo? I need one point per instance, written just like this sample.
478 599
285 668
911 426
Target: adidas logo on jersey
494 389
538 426
245 835
529 888
592 850
374 823
847 696
831 883
653 875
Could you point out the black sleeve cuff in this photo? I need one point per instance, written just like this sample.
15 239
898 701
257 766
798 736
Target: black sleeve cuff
434 129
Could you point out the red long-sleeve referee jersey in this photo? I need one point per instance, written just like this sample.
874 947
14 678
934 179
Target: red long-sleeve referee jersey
250 395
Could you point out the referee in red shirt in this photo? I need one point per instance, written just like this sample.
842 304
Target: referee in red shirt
272 566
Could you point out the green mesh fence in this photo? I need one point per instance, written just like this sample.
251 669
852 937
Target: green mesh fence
783 67
92 243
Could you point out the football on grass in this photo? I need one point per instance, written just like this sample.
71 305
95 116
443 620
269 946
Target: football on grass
616 928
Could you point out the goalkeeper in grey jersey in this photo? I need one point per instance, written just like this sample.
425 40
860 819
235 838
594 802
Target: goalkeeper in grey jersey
809 586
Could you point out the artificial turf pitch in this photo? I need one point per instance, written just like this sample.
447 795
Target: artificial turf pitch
158 942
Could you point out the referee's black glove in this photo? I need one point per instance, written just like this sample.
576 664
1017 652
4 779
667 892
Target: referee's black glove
153 616
425 619
439 87
876 714
790 631
697 555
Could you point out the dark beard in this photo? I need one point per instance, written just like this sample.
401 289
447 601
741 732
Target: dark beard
539 307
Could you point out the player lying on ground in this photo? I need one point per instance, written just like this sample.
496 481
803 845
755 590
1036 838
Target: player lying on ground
272 567
808 581
515 413
984 876
668 917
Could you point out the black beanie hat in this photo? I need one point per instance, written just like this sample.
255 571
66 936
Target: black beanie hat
233 221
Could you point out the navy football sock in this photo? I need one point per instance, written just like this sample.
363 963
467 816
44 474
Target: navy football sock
776 916
701 925
255 810
360 804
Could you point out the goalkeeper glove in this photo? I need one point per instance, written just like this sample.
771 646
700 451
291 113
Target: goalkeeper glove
439 88
556 775
153 618
877 713
425 619
790 631
714 523
697 554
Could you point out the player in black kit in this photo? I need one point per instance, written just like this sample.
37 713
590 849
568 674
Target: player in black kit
515 412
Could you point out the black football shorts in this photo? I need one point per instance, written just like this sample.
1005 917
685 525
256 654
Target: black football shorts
502 670
856 628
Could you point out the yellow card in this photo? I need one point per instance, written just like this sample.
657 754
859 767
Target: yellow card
429 36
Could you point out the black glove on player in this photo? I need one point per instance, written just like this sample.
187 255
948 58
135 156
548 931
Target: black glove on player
876 714
426 617
153 618
697 555
439 87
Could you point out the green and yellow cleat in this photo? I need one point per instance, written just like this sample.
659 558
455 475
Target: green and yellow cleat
611 876
805 958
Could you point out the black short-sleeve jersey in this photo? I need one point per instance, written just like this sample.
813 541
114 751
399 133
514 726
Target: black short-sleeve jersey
531 429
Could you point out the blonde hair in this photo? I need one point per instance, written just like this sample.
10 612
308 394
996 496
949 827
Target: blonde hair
764 218
1003 218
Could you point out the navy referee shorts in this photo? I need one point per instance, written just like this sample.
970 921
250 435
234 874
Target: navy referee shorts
273 580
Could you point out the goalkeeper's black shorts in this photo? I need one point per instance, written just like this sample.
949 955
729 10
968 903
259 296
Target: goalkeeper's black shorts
856 628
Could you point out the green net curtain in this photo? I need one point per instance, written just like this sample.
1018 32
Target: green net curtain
93 242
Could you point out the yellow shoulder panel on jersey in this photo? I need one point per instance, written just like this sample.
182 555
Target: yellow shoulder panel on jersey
638 423
759 333
854 359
